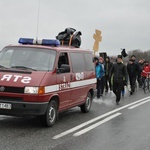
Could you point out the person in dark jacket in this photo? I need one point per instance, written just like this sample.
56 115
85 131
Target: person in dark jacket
108 65
133 58
133 71
99 74
119 72
141 66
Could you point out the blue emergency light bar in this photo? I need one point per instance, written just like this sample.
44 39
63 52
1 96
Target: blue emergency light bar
47 42
26 41
50 42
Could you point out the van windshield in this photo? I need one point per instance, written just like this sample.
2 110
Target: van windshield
27 58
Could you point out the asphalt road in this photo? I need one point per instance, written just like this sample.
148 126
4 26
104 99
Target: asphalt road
105 127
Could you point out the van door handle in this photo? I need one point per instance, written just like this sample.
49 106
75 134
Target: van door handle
71 77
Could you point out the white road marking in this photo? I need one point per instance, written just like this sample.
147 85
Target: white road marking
96 125
97 118
139 104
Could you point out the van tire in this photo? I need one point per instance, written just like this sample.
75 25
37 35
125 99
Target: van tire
49 118
85 108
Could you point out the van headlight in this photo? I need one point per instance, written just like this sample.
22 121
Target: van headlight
34 90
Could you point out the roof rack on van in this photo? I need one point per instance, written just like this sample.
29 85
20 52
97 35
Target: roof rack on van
70 37
47 42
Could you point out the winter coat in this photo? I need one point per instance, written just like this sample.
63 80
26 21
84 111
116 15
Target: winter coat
119 72
99 70
132 69
108 65
145 71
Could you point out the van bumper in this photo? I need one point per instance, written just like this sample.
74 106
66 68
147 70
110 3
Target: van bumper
24 108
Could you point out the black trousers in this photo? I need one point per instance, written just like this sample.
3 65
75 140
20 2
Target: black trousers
102 85
108 80
98 88
139 79
132 82
117 87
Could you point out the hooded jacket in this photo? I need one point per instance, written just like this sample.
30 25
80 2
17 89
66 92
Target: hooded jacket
132 69
146 71
108 65
99 70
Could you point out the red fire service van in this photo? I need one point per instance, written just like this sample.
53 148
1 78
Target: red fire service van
42 78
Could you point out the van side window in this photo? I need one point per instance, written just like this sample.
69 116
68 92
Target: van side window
63 62
89 62
77 60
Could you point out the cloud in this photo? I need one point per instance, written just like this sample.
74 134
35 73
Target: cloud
124 24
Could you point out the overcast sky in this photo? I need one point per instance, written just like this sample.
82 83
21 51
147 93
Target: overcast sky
124 23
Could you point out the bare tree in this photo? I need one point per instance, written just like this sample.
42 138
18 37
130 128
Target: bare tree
140 54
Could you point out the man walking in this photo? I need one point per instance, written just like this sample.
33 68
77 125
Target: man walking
141 66
119 73
132 69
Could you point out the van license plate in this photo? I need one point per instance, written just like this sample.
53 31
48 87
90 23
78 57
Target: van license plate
5 106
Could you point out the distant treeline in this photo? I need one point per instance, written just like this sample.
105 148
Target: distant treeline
140 54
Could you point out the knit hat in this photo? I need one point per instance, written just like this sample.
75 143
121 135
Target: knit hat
101 58
108 57
119 56
132 56
131 60
95 58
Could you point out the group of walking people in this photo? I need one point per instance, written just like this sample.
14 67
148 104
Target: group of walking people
114 76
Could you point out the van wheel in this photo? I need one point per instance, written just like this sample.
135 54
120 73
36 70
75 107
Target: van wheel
87 105
49 118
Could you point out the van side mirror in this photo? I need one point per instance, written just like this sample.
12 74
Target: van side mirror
63 69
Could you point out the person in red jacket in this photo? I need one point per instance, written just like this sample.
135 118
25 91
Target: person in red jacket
145 71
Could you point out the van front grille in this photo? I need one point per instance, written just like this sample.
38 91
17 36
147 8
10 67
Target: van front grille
11 89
